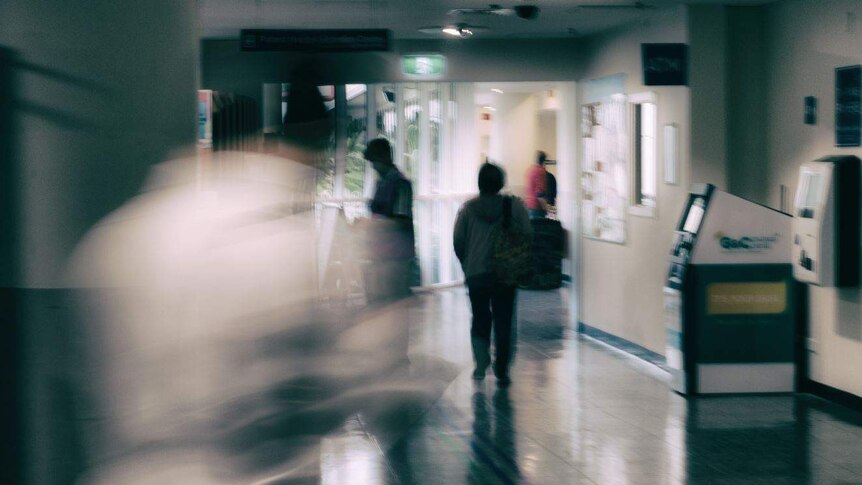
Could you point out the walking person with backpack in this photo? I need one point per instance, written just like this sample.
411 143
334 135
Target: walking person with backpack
492 241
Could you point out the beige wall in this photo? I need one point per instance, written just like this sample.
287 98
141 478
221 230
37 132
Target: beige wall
547 134
621 285
514 137
806 41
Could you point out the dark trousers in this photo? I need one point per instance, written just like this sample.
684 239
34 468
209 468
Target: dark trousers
493 304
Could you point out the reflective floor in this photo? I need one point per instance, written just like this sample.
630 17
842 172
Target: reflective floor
581 412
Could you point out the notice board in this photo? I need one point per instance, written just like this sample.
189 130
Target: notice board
848 97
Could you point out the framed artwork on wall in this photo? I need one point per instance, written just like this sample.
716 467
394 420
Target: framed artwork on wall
848 97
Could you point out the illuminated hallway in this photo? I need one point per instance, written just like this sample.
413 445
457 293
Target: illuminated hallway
160 362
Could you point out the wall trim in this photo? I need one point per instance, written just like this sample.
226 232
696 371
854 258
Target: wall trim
833 394
626 346
807 386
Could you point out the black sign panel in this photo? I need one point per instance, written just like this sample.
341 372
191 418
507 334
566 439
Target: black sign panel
335 40
848 97
665 64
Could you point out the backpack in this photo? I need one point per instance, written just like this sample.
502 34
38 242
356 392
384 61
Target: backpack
551 188
511 258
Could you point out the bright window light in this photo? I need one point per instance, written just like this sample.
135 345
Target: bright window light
645 165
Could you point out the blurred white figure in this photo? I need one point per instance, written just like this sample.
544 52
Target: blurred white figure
196 279
212 360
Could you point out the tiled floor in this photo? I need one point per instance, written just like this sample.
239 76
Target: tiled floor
580 412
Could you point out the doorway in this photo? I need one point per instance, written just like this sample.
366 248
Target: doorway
440 132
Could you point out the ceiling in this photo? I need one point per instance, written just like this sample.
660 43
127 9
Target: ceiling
557 19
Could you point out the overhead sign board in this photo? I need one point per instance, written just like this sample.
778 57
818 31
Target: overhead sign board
423 65
317 40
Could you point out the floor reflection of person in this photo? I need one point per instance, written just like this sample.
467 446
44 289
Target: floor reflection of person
494 453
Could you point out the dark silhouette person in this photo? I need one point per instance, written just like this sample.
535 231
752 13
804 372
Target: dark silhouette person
392 248
492 301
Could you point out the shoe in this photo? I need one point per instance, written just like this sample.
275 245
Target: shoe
481 356
502 373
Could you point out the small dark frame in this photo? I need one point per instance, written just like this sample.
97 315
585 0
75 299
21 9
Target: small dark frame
848 101
810 110
664 64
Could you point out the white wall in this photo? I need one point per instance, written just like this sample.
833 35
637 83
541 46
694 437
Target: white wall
547 135
514 137
806 41
621 285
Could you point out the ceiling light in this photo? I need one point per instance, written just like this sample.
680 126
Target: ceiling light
489 108
497 90
458 31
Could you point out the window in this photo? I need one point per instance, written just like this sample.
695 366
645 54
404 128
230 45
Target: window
413 111
644 173
357 134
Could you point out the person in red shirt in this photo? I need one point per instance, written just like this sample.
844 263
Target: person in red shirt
536 179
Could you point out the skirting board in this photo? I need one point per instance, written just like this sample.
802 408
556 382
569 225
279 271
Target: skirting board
624 345
830 393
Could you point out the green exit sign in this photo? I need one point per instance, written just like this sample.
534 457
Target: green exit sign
423 65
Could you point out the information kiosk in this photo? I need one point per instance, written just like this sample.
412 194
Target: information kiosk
826 229
730 297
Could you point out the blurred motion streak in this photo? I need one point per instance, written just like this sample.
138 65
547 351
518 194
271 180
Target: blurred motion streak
206 333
